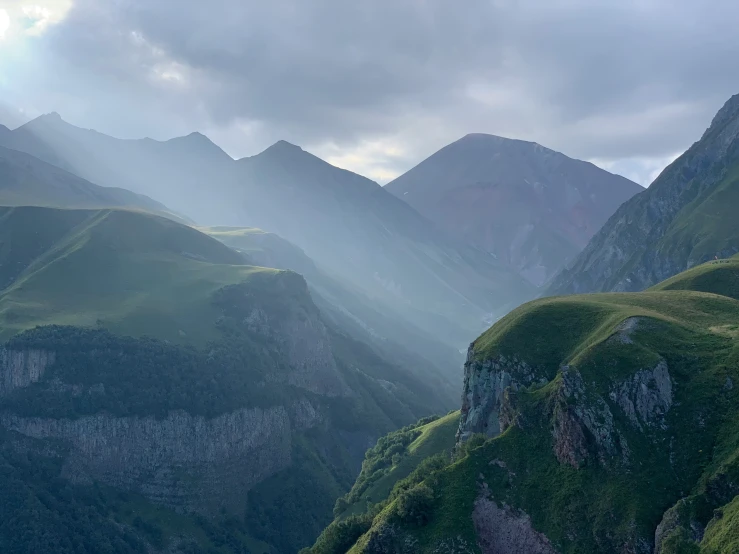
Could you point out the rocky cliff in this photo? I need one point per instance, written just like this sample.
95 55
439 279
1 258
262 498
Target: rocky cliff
185 462
19 369
684 218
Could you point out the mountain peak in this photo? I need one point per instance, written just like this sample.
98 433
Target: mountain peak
729 112
51 117
282 147
488 140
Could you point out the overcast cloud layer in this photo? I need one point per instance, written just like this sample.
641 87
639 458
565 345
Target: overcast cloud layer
376 86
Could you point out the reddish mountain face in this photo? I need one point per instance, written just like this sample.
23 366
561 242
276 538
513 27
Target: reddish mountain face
531 207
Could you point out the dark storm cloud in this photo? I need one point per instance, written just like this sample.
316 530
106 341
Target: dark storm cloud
607 80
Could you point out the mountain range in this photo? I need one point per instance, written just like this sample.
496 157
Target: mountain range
204 354
386 249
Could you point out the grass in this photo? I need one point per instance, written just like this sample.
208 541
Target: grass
434 437
722 534
132 273
691 322
718 276
708 224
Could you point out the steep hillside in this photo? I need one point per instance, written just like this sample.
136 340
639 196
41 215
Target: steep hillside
687 216
594 423
352 227
533 208
365 236
174 398
350 310
27 181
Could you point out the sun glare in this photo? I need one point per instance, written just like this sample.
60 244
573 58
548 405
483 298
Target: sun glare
4 23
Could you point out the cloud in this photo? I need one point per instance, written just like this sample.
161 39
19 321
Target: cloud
377 86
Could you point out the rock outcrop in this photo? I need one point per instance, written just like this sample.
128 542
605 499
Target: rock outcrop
293 325
505 530
21 368
483 396
579 420
646 396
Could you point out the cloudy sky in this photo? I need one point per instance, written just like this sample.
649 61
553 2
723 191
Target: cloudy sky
377 85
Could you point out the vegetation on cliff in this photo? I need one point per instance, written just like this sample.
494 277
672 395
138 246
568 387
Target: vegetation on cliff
145 318
618 430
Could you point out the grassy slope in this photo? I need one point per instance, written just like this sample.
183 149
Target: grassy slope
133 273
432 438
593 508
137 274
708 225
393 462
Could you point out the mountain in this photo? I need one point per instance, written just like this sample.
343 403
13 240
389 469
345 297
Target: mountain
349 309
592 423
27 181
158 393
687 216
353 228
533 208
366 237
185 171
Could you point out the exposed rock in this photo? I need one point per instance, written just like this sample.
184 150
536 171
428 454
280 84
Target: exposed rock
578 419
484 393
294 326
21 368
646 396
675 518
179 461
622 335
504 530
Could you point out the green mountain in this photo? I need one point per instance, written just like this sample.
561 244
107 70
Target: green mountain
686 217
157 393
350 226
27 181
533 208
589 423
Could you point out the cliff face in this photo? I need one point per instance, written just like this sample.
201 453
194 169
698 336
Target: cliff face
286 318
19 369
485 405
183 461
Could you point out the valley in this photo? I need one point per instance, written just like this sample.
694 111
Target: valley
267 355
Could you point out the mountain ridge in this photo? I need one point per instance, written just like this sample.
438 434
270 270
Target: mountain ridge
683 219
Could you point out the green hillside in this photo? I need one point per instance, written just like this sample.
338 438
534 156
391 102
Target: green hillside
398 461
131 273
620 416
146 322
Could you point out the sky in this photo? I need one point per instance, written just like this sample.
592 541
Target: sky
377 86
